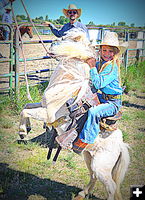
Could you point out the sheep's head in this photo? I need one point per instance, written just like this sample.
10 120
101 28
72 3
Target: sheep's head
74 44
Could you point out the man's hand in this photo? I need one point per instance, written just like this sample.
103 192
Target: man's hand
46 23
91 62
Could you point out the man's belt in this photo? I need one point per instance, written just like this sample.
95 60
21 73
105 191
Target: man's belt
110 96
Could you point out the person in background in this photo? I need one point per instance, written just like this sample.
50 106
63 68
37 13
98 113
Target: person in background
7 18
73 13
105 77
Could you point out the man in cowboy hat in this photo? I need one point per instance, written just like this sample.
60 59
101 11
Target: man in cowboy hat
73 13
6 18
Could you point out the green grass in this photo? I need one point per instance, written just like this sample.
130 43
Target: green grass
125 136
134 77
140 115
70 163
5 123
139 136
127 117
35 92
30 146
15 104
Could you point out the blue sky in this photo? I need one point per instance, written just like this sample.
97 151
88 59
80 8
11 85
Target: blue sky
100 12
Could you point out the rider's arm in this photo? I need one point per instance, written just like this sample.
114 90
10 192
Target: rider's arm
91 62
109 74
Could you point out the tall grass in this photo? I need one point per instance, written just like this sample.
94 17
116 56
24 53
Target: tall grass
133 79
16 103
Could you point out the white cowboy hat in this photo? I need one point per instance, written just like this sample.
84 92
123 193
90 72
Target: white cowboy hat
72 7
111 39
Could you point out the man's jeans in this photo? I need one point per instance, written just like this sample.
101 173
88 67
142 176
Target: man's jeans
91 127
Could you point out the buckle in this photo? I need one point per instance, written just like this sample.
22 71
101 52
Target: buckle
115 96
110 96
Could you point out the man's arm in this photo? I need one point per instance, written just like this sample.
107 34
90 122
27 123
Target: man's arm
55 31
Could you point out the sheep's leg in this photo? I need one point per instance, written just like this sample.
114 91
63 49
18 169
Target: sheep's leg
35 111
102 166
87 190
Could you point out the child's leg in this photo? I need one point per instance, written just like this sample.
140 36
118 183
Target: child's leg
91 127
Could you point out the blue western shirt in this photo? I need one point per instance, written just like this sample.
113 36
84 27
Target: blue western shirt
68 26
106 81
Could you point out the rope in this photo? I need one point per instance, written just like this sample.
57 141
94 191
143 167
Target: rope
22 45
47 53
19 34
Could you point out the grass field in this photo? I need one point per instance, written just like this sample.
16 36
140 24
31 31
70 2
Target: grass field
25 172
